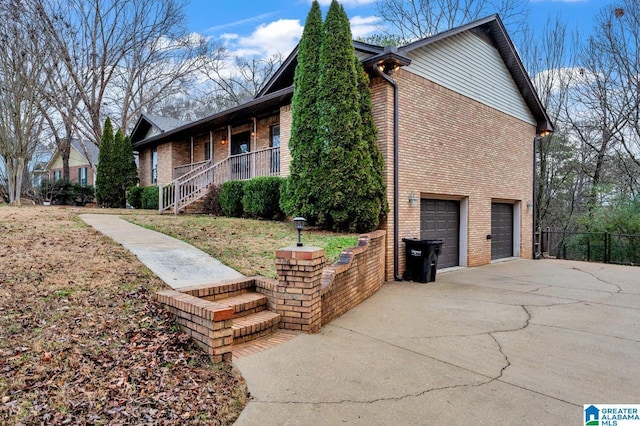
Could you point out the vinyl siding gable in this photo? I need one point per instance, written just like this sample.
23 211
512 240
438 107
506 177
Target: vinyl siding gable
75 159
470 66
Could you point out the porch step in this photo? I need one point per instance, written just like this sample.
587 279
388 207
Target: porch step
255 325
197 207
245 304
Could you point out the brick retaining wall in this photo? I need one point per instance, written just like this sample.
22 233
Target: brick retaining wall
307 293
358 274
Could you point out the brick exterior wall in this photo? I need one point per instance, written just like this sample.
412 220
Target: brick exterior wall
285 135
450 147
144 167
73 174
263 134
299 271
165 163
357 276
382 100
453 147
207 323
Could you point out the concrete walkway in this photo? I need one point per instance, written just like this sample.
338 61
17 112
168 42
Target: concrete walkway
176 263
519 342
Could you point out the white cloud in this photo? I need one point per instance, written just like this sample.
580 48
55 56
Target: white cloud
240 22
364 25
229 36
267 39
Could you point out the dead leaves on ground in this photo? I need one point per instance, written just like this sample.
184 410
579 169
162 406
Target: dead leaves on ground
82 342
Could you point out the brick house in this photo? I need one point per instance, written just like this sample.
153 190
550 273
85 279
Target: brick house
83 160
457 116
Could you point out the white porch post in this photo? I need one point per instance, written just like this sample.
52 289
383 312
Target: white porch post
160 190
176 196
191 154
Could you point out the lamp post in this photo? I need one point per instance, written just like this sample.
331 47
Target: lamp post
299 224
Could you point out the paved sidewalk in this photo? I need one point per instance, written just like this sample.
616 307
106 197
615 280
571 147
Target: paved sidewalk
519 342
176 263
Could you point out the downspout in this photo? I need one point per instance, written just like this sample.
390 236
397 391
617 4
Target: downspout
534 253
379 70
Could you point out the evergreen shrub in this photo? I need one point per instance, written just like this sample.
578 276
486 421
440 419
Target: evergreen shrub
149 197
64 192
134 196
262 197
231 198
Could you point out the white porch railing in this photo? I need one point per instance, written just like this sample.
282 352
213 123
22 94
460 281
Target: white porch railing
195 180
180 171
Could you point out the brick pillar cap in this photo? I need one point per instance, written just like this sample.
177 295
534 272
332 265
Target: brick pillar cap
295 252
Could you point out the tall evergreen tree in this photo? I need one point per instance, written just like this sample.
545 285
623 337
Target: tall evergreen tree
350 198
300 195
376 188
336 168
104 172
126 172
116 168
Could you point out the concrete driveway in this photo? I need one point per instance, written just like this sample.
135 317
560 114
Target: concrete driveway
517 342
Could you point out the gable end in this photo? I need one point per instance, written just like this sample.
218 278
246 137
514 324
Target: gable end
469 65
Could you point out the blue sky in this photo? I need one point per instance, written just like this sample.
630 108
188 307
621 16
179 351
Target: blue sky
262 28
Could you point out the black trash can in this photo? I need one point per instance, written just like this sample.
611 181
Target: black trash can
421 257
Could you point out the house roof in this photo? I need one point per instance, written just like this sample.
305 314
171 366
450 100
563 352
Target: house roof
87 149
280 86
283 77
259 106
493 29
148 121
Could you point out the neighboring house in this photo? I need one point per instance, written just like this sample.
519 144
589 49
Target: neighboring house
83 160
38 165
457 116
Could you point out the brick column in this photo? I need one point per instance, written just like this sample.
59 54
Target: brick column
299 272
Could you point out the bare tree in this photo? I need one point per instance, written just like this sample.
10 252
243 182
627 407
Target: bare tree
617 39
162 63
20 103
237 80
111 52
597 113
414 19
546 51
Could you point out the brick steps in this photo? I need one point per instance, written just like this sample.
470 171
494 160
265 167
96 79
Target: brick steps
245 304
254 326
197 207
251 320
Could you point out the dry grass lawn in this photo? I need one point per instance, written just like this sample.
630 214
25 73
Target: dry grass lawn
82 342
246 245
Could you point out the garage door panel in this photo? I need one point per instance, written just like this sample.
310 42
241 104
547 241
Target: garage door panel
501 230
440 219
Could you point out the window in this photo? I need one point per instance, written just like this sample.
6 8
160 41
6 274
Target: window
274 142
274 135
57 175
82 176
154 165
207 151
